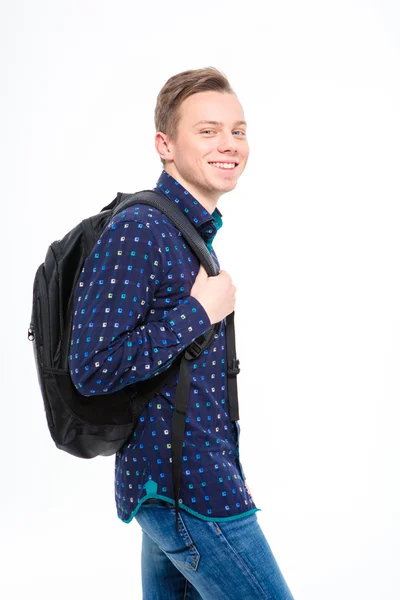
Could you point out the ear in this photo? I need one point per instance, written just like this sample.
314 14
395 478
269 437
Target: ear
163 146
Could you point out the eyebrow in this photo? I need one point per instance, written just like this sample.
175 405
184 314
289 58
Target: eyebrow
218 123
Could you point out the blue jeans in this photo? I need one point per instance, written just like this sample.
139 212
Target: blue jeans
206 560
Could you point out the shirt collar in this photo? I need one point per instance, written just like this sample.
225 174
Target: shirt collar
207 224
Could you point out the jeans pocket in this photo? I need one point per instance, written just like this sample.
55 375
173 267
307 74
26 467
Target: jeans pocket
159 523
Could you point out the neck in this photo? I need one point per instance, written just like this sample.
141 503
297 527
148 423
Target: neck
207 200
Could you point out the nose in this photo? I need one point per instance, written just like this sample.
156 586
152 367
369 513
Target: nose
228 144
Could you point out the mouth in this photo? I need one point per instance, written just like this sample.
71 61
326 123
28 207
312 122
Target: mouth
228 169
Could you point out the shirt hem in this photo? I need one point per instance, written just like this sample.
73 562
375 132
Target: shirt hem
184 507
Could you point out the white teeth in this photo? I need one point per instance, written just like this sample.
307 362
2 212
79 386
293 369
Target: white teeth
224 165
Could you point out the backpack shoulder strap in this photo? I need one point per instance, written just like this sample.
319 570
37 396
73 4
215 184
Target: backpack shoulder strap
189 232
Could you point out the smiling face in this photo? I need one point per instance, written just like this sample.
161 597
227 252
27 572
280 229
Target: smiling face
219 137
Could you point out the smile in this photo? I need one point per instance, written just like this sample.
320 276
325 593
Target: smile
224 166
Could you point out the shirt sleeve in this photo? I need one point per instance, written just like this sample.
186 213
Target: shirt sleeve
111 346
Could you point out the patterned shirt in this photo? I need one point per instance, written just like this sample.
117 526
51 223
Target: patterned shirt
133 316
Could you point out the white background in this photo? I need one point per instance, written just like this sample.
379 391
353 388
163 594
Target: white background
310 237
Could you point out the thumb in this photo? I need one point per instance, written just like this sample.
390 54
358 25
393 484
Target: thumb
202 272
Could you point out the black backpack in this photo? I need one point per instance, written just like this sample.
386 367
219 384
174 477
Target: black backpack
91 426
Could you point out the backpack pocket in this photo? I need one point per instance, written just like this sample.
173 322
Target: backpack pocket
87 426
40 321
37 334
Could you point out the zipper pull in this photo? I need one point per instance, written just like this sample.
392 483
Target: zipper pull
31 333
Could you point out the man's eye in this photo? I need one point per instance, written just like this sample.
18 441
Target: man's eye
237 131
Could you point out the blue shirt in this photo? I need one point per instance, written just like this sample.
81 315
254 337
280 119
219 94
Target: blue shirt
133 316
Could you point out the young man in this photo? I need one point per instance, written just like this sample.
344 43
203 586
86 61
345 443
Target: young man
141 300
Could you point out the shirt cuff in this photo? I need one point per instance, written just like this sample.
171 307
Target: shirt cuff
188 320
